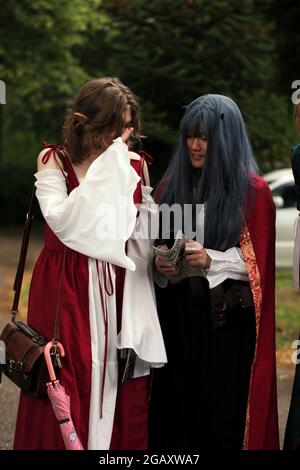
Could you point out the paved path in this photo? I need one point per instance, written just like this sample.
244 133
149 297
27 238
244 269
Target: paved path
9 394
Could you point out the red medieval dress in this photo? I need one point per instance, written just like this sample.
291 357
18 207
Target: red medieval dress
218 390
36 427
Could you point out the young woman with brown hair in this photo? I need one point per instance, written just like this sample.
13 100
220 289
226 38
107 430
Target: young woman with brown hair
87 189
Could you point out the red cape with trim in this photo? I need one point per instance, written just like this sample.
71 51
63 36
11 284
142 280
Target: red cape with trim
261 431
258 247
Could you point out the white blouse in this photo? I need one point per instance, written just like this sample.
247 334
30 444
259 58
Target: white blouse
79 220
97 217
228 264
224 265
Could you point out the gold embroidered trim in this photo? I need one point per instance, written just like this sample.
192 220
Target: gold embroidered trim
255 285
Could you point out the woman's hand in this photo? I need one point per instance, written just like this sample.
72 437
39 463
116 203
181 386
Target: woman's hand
196 255
164 267
126 133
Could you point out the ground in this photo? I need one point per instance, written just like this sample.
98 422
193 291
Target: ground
9 252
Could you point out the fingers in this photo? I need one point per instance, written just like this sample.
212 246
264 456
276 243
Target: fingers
164 267
199 258
194 251
163 264
196 260
192 246
193 256
197 263
160 264
126 133
168 272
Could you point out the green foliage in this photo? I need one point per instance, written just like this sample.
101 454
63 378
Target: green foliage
271 128
168 52
287 16
173 51
36 51
287 310
38 64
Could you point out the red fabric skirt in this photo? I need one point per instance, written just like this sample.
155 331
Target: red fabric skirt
36 427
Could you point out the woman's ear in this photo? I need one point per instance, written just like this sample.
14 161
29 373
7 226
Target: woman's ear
81 118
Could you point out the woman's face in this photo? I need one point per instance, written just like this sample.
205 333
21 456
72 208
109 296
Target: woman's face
197 147
127 117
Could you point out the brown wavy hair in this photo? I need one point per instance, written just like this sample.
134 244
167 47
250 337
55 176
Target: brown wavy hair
103 101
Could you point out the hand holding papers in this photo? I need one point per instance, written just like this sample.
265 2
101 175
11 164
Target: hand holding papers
176 256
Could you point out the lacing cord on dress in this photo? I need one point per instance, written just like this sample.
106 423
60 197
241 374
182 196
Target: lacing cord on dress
59 150
108 290
60 154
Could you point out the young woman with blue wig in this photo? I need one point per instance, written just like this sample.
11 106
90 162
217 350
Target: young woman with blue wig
218 390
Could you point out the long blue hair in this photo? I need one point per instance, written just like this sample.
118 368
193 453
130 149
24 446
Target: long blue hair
224 182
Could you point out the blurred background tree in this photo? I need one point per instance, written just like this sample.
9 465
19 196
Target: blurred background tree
38 39
286 16
173 51
168 52
41 72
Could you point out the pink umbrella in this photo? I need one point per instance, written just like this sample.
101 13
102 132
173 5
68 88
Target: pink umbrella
60 401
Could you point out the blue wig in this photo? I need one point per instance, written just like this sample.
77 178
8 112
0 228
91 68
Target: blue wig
224 182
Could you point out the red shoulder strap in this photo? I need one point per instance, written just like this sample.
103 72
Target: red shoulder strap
58 150
146 157
60 153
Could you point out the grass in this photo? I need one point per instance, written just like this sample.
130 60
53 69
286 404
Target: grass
287 308
287 298
287 314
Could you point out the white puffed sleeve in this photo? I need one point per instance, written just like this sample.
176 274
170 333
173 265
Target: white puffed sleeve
140 330
224 265
98 216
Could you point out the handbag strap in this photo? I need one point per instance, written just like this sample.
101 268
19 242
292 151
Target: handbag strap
22 259
21 266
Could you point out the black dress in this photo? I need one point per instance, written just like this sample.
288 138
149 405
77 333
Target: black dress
199 399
